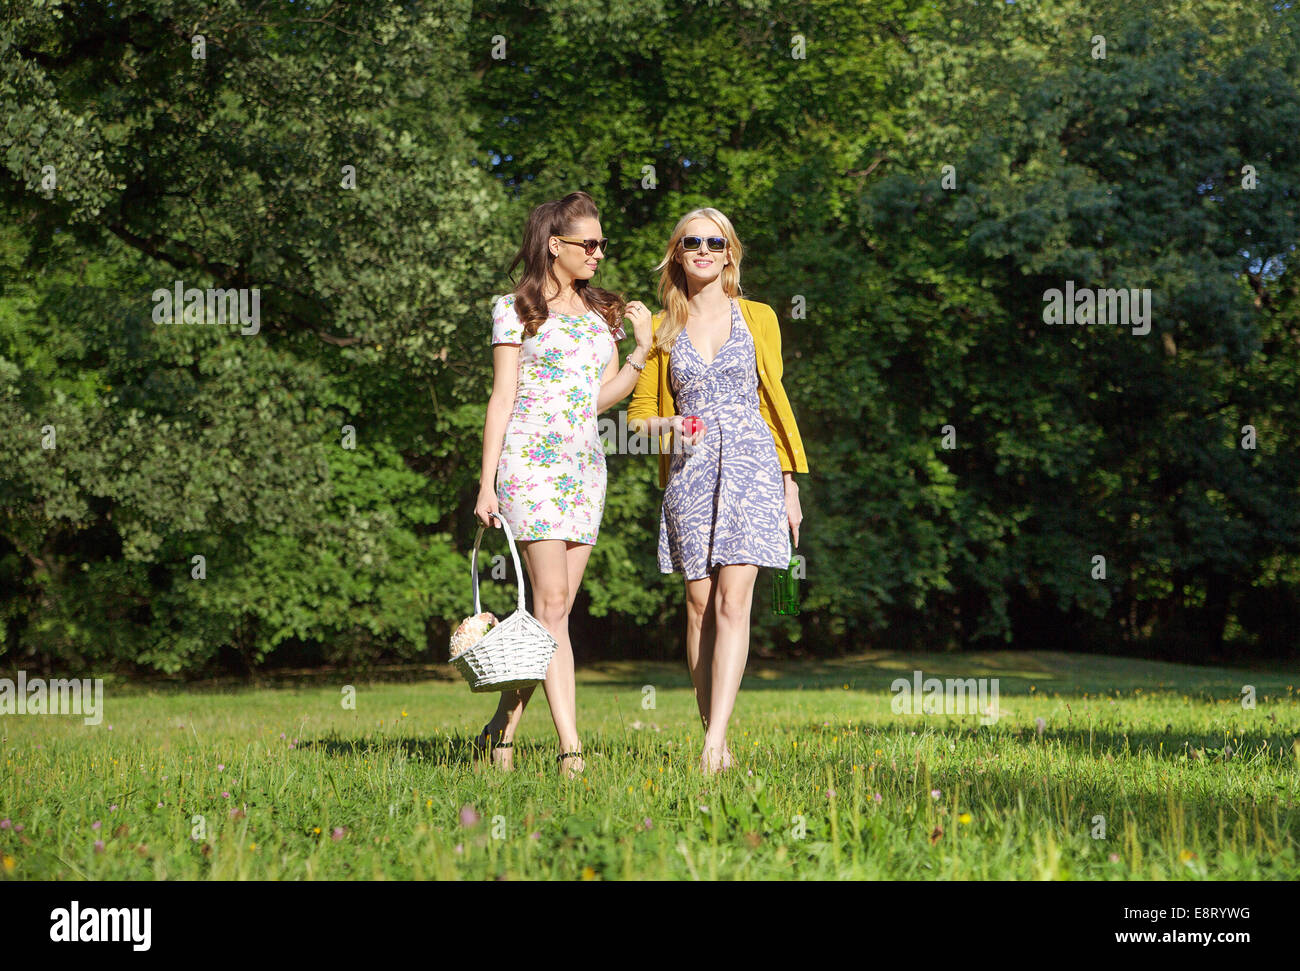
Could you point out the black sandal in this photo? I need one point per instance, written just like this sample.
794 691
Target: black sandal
571 755
483 749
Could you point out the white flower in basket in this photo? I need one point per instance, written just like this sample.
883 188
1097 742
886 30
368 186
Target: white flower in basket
471 631
512 653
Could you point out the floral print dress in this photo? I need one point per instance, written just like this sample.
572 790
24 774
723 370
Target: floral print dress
551 474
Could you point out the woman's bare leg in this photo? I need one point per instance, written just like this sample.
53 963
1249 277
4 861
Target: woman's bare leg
545 567
733 598
700 632
560 684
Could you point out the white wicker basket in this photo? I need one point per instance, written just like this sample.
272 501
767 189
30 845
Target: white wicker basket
517 651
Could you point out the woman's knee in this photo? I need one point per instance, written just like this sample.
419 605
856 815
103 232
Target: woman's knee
733 606
551 605
697 607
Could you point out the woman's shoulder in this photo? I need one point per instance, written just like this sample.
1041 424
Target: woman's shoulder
762 317
504 302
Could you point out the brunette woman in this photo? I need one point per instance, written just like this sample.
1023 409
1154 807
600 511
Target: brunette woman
556 367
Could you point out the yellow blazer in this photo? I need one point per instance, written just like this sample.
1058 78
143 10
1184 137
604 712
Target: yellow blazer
652 396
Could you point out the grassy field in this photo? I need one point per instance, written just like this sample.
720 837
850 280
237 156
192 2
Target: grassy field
285 783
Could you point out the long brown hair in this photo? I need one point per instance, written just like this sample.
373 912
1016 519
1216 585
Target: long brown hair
547 220
673 293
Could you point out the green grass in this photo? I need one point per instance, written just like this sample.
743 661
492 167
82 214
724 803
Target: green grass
831 784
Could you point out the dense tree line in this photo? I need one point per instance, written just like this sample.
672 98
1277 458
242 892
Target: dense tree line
912 181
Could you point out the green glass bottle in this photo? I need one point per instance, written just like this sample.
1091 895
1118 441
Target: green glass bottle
785 590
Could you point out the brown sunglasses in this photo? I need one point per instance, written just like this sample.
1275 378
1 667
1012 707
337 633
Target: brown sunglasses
590 245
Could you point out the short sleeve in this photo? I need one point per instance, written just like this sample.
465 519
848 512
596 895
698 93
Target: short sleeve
506 328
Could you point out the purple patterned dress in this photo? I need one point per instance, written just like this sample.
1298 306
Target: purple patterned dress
725 500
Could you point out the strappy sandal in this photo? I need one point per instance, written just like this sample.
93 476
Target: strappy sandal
481 746
573 773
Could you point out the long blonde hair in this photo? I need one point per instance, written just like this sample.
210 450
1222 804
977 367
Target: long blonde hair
672 278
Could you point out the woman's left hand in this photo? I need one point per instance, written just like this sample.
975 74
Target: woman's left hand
792 510
641 328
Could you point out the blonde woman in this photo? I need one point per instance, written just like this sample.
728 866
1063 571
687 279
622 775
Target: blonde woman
555 364
730 500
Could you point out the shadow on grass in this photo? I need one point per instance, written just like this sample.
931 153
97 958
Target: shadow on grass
1017 672
1160 806
459 750
1273 749
1046 674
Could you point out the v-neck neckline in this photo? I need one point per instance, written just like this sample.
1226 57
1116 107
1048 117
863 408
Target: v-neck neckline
731 312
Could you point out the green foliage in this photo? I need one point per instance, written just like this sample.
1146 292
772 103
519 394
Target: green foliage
908 303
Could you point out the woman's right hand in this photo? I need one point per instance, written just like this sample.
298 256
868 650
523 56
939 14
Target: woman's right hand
486 507
677 423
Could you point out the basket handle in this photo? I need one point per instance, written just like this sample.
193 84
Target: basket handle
514 553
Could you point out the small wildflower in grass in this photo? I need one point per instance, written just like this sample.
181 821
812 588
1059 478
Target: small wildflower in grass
5 823
588 873
9 863
534 836
221 767
113 808
338 834
224 795
1186 856
935 793
96 824
647 823
19 827
468 817
99 846
460 847
316 830
1114 858
877 798
964 819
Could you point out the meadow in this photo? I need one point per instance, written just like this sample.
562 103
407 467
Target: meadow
1097 769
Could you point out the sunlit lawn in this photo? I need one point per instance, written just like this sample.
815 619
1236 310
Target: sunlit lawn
285 783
